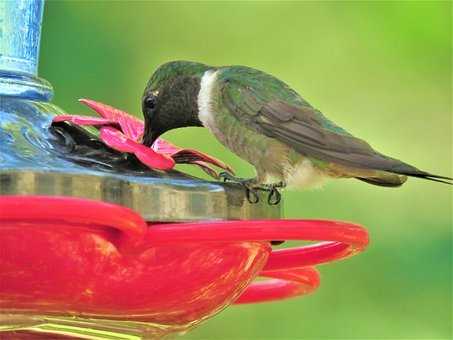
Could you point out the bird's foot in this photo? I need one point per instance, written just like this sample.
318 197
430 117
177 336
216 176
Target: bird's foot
249 184
274 196
252 189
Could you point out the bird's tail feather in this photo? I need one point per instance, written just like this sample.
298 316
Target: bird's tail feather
431 177
396 179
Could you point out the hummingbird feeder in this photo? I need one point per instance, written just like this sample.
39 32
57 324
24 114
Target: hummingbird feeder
101 238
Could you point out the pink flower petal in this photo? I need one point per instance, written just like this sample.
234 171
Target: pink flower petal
163 146
195 155
118 141
189 156
131 126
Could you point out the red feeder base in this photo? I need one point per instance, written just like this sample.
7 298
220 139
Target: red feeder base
75 266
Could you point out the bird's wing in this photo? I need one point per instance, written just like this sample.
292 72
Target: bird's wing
270 107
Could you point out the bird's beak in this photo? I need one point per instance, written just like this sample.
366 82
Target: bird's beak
150 136
150 132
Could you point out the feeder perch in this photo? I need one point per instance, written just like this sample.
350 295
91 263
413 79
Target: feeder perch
101 238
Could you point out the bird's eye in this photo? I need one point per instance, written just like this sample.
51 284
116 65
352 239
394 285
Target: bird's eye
150 102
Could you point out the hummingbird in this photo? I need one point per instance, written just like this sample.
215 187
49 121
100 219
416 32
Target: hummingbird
267 123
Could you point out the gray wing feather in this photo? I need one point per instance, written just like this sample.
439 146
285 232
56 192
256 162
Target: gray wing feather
304 128
305 133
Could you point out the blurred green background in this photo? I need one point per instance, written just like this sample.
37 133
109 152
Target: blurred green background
382 70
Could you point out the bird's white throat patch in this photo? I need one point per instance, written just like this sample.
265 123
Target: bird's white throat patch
204 97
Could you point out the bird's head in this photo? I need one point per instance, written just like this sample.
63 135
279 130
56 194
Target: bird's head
170 98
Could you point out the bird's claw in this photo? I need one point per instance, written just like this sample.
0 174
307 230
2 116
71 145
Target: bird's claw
252 195
251 190
274 196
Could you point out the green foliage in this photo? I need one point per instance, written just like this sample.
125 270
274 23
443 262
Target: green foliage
382 70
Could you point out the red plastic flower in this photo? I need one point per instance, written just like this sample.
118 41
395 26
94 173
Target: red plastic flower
123 132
